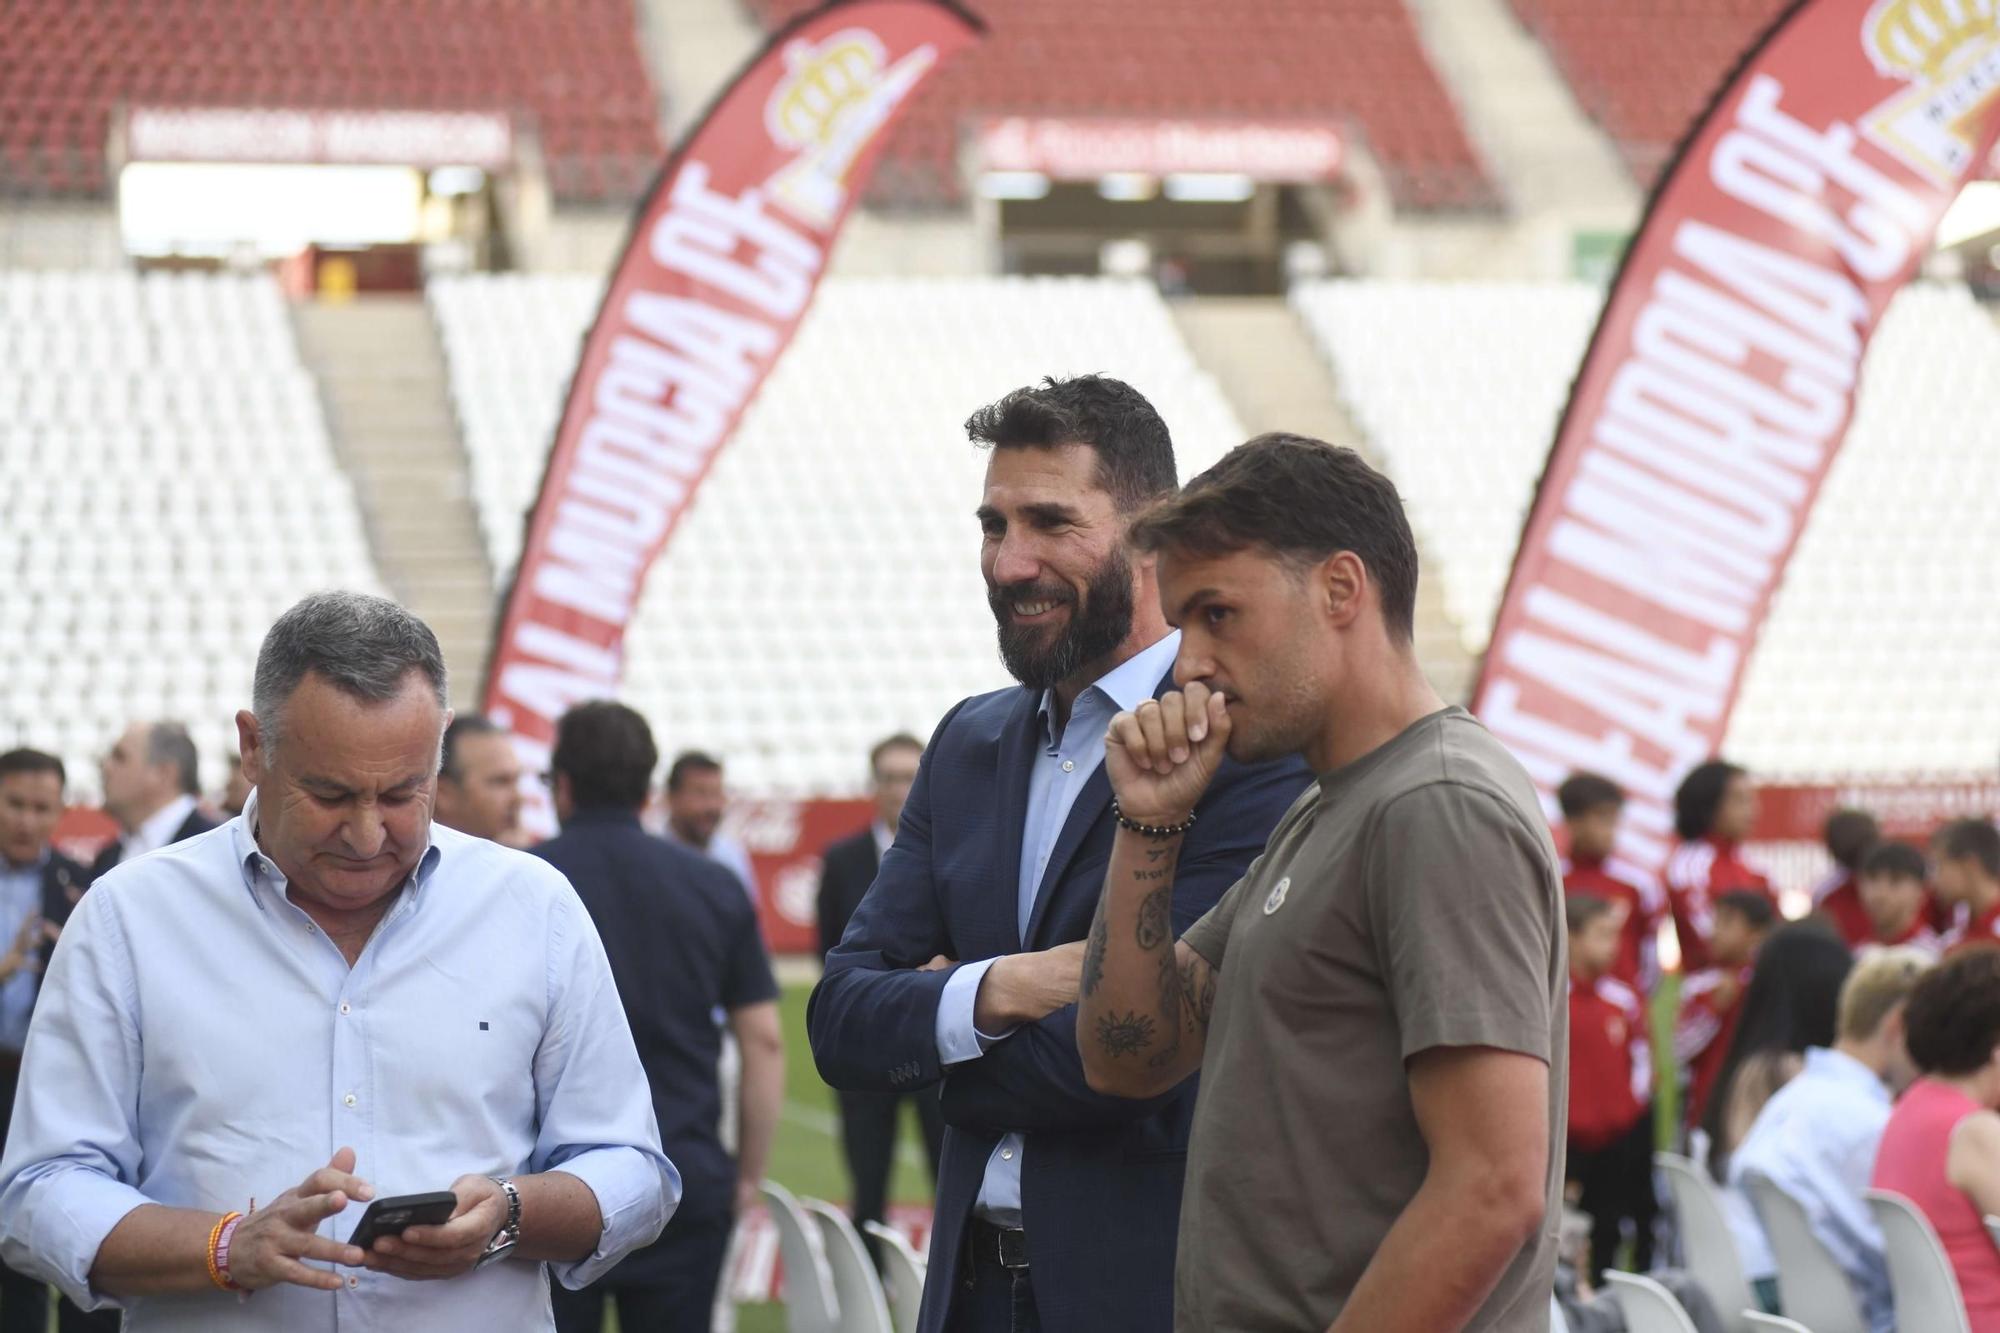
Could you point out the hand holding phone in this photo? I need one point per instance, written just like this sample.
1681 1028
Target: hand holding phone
391 1217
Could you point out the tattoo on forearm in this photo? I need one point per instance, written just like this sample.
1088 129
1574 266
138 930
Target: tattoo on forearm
1170 1011
1155 911
1198 990
1093 954
1124 1034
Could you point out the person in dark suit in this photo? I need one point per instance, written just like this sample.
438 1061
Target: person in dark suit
1056 1207
38 886
683 943
868 1119
152 786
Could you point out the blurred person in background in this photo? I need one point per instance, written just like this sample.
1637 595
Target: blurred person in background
479 781
152 787
1714 810
1610 1089
334 994
1896 900
1967 852
1711 997
38 886
683 942
868 1120
1791 1005
1591 807
1941 1149
235 789
1849 836
1816 1138
696 802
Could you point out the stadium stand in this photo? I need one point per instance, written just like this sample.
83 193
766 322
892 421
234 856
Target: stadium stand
166 488
1876 658
571 71
1646 70
824 587
1356 60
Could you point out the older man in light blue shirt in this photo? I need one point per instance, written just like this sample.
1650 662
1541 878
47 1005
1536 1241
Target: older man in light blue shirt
330 989
1063 763
1816 1138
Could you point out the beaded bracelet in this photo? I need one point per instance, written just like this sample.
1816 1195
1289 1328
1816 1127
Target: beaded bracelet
218 1251
1151 830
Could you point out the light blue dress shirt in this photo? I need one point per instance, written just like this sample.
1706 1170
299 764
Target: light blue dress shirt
20 899
200 1042
1816 1140
1063 763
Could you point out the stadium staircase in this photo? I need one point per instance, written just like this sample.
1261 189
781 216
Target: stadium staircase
382 376
1266 366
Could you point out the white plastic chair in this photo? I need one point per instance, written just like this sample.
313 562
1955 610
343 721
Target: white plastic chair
903 1276
1758 1319
1648 1306
1813 1288
857 1288
1558 1321
1706 1241
810 1304
1926 1290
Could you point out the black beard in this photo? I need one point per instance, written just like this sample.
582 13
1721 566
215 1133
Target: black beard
1096 627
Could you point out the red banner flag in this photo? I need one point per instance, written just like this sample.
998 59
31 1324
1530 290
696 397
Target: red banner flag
726 253
1719 384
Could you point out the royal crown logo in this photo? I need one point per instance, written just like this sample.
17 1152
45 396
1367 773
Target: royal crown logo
831 103
1949 52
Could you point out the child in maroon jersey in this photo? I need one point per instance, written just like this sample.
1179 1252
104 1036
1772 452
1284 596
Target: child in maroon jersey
1849 836
1714 809
1610 1088
1591 807
1712 997
1897 900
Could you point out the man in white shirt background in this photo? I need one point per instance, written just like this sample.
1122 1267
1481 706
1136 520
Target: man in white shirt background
1816 1138
696 800
152 786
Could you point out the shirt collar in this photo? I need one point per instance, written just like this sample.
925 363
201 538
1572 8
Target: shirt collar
1828 1063
159 828
884 839
34 867
256 865
1126 685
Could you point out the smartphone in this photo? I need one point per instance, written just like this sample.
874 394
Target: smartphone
389 1217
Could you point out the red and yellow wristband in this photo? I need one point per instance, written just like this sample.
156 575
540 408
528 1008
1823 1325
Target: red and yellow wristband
218 1251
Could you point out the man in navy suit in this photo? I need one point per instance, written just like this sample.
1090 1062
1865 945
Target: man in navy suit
152 787
1056 1207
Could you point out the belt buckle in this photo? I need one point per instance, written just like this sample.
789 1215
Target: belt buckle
1012 1247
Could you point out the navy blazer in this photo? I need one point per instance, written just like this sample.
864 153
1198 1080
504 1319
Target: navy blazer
1101 1183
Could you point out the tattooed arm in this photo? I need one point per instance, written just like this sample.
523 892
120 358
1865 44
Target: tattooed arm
1145 998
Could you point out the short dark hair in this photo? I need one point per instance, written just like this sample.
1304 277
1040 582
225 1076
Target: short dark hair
169 743
1953 1019
1135 452
1699 797
1582 793
1895 860
24 760
470 724
1581 909
902 740
1848 835
607 752
1752 906
691 761
1975 839
1302 499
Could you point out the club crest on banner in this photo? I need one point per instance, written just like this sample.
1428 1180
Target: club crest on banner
1949 52
834 99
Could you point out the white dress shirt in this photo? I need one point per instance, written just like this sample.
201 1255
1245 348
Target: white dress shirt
159 829
200 1042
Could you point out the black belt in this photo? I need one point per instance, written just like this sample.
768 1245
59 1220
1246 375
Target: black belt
1006 1246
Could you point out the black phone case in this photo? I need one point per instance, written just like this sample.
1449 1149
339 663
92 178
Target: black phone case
389 1217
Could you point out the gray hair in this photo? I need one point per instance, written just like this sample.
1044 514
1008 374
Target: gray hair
169 743
364 646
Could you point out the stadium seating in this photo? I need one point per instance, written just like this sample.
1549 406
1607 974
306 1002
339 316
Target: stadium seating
166 488
571 72
1877 657
1646 68
824 587
1356 60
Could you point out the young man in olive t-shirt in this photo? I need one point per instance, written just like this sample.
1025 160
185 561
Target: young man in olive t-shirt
1377 1006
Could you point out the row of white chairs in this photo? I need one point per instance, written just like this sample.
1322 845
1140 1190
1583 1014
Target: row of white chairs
831 1285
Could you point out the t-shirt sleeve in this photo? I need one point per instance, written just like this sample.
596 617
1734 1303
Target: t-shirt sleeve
1209 935
746 977
1464 917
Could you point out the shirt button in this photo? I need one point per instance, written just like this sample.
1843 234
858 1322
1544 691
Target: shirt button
348 1099
1069 765
353 1282
1006 1154
343 1006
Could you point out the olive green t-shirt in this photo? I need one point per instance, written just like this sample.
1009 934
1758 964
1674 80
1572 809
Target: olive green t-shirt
1407 901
